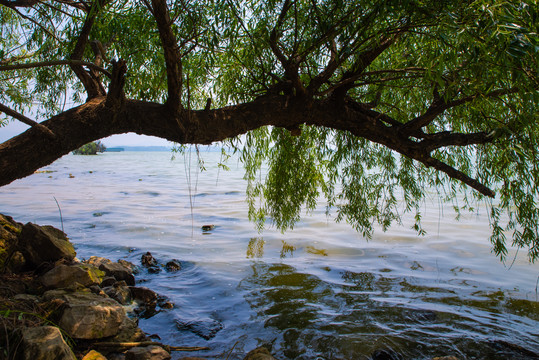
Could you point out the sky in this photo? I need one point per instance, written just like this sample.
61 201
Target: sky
15 127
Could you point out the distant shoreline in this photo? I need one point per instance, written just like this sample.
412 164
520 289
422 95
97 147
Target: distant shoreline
137 148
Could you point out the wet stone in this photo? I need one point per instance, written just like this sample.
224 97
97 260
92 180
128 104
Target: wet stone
205 328
148 260
154 270
119 272
173 266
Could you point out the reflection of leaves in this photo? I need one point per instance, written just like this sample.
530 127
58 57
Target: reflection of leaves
287 249
255 248
315 251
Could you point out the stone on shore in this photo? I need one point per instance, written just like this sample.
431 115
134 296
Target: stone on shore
66 275
119 272
44 343
97 261
119 292
45 244
147 353
88 316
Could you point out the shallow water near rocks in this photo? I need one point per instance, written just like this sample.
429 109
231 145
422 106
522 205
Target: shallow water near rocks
320 291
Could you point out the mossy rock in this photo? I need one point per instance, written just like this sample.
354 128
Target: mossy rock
9 237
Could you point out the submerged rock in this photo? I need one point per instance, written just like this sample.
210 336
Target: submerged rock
205 328
45 244
44 343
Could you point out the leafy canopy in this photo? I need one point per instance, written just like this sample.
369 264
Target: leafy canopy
428 68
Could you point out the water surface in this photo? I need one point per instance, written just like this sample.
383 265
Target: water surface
320 291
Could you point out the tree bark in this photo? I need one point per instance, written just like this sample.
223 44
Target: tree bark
31 150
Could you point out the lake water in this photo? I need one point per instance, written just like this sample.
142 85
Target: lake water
320 291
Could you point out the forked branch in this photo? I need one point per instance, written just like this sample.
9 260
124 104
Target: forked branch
14 114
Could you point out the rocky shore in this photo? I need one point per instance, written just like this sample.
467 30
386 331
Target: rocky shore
53 306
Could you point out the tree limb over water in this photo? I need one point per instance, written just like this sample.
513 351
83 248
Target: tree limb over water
361 99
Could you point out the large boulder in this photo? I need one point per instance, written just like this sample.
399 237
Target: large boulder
63 276
45 244
44 343
88 316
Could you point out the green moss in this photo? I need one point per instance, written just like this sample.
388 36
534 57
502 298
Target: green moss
10 227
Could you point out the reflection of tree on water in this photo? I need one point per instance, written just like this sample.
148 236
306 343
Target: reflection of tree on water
354 314
255 248
287 250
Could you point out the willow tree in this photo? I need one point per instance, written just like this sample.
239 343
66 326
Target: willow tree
374 105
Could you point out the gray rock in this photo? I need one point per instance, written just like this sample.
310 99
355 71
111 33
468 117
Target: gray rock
65 275
119 272
147 353
45 244
44 343
87 315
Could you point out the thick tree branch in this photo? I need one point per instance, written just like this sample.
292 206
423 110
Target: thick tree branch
88 64
18 3
445 139
97 119
172 54
10 112
93 86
